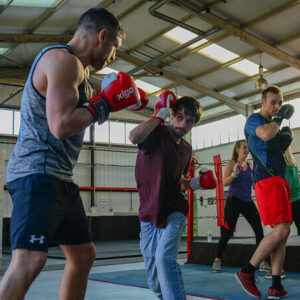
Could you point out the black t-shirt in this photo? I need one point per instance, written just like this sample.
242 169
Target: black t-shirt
160 164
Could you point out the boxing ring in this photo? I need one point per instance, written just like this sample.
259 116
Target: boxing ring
220 200
200 281
237 252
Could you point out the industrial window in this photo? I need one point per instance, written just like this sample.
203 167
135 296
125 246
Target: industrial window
218 132
6 117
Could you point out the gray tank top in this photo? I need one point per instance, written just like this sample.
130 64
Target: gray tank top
37 151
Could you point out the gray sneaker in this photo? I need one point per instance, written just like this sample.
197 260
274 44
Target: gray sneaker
265 267
216 267
268 275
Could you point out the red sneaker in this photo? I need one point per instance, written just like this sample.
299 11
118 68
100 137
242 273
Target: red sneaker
247 282
277 294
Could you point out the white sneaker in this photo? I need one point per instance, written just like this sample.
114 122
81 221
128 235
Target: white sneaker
216 267
265 267
268 275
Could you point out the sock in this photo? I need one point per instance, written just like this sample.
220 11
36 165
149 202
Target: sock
276 282
249 269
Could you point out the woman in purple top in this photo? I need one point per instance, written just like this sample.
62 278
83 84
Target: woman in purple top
238 175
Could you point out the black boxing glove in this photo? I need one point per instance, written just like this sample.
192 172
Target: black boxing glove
285 138
285 112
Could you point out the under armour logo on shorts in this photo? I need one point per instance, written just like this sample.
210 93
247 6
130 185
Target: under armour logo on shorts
40 239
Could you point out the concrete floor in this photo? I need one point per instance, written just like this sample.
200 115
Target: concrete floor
49 281
111 257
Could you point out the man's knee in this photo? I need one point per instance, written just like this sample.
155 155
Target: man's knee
91 256
87 259
163 259
286 232
282 231
30 262
83 260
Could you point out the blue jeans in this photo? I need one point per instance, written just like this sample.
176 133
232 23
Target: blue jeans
159 247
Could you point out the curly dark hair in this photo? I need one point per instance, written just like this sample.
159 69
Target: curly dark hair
190 106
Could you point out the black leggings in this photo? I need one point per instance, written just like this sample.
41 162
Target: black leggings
296 214
233 208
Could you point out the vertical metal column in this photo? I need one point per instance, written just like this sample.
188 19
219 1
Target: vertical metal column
219 190
190 217
92 140
92 178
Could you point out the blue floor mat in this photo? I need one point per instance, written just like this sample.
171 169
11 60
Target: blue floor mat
201 281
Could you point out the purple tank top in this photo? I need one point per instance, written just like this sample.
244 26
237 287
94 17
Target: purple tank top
240 187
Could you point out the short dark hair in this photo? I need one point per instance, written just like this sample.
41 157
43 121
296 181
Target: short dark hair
190 106
96 19
274 89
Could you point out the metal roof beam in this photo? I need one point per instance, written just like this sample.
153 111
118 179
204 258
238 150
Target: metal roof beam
34 38
221 116
5 6
243 35
130 9
257 92
13 73
216 68
237 106
252 22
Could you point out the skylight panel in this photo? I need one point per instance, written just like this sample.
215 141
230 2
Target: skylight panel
147 87
213 51
181 36
246 66
34 3
201 42
3 50
218 53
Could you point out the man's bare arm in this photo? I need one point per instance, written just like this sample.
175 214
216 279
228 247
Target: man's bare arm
267 132
64 74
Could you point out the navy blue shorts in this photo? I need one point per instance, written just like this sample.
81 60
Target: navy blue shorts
46 209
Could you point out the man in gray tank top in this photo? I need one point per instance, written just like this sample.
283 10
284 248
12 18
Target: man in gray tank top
57 106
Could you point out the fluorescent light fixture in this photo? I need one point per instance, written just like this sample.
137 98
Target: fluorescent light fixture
106 71
218 53
181 36
246 66
34 3
147 87
3 50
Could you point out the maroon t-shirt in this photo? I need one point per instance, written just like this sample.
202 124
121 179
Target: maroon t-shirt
160 164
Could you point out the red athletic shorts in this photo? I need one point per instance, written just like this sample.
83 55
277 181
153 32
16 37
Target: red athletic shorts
273 197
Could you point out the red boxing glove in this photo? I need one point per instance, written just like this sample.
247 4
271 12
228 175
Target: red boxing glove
119 90
98 107
163 103
238 167
206 180
163 99
142 103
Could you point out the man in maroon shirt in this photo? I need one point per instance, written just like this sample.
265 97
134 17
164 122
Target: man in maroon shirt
162 163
